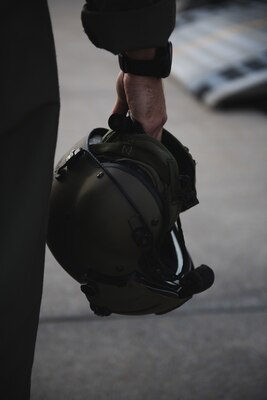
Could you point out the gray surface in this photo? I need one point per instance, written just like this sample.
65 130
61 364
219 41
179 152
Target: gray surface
214 347
220 52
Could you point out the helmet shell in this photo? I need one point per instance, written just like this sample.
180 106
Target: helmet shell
96 224
114 204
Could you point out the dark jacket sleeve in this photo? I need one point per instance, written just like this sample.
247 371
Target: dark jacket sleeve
120 25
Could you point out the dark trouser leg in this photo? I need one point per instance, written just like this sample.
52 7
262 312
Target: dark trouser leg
28 128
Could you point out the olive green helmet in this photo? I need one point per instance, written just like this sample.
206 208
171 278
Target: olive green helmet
114 220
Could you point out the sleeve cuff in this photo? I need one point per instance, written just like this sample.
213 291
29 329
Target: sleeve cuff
120 31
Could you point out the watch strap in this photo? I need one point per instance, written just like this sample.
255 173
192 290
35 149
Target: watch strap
159 66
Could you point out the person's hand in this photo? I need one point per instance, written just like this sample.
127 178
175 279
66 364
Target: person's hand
143 97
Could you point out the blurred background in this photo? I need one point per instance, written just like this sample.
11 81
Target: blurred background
215 346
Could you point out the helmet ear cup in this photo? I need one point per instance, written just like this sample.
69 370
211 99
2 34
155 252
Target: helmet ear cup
187 170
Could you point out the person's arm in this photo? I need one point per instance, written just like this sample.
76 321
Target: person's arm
143 97
121 25
137 28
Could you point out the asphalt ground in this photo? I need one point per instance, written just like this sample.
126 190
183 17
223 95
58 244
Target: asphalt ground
215 346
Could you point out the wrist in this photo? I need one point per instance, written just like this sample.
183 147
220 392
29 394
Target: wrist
155 62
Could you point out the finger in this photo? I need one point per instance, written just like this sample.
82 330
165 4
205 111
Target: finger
120 107
156 133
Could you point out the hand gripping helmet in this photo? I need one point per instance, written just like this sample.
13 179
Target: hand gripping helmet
114 220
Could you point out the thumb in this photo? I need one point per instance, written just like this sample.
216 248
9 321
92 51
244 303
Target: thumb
121 106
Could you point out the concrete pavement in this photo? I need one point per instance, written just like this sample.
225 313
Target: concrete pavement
215 346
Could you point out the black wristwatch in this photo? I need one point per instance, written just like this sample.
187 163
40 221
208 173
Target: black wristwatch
159 66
